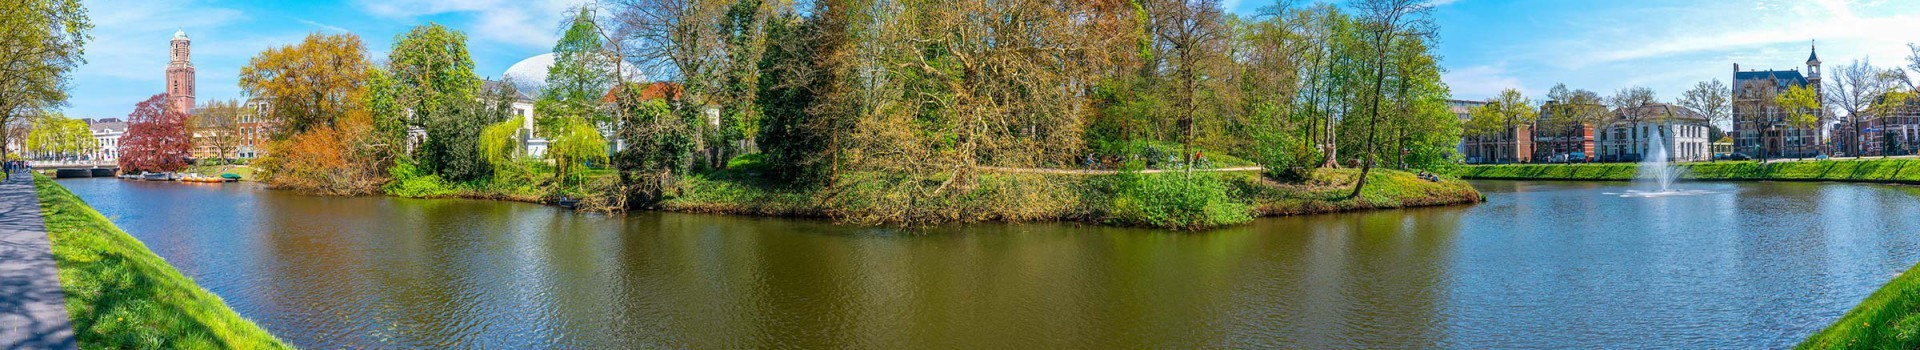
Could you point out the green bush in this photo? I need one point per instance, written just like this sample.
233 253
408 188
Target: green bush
1176 201
1289 160
409 181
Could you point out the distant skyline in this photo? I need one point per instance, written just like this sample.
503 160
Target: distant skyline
1485 46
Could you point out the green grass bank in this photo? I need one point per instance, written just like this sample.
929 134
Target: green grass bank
1888 319
1160 200
1905 171
120 295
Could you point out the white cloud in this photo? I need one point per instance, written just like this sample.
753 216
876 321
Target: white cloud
324 26
1480 82
523 23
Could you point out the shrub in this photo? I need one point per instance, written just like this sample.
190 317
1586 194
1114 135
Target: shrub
1289 160
1176 201
409 181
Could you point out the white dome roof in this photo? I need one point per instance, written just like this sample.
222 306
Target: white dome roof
180 34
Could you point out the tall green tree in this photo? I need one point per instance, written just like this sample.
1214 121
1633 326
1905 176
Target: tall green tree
44 41
579 78
437 89
1503 114
1386 22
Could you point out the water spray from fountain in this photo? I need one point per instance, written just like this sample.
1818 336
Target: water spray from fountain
1654 167
1656 172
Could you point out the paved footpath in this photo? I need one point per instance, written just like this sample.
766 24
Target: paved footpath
33 312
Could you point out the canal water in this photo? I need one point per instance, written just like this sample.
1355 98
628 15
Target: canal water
1552 265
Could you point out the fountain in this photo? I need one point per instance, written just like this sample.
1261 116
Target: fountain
1656 173
1654 166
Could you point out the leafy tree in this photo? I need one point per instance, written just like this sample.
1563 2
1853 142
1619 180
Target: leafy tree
580 76
1387 21
576 145
156 138
216 127
431 66
791 138
1802 107
313 83
60 137
452 149
389 130
500 143
1504 113
660 146
322 130
44 40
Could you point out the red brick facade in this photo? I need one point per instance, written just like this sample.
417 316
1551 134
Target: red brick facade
180 74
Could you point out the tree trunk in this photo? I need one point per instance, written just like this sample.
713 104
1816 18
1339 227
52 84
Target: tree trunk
1373 121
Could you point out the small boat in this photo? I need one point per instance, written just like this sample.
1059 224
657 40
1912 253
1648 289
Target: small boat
156 176
568 203
196 178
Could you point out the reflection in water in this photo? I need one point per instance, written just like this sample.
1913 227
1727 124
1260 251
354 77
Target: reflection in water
1539 265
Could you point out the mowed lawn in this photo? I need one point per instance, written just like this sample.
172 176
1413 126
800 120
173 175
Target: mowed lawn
122 296
1862 170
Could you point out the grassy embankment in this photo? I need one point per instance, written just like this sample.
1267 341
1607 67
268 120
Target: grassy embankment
1163 200
121 295
1846 170
1888 319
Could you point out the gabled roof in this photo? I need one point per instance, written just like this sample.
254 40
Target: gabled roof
1791 76
1656 110
650 91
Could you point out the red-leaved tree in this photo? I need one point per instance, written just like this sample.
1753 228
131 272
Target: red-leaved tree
156 138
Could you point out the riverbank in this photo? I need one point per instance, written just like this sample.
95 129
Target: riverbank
1888 319
1162 200
1904 171
121 295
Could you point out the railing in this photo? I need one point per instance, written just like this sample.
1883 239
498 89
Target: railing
53 164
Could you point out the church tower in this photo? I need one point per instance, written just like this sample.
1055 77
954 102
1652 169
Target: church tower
1813 67
180 74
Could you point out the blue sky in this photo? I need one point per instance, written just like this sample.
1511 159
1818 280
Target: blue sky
1486 45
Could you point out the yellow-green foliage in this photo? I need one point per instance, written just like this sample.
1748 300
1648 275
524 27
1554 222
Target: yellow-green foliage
1163 200
120 295
1888 319
1862 170
1177 201
500 142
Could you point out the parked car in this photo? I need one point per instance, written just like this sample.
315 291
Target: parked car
1737 156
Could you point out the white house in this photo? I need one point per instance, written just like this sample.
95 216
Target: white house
107 133
1627 137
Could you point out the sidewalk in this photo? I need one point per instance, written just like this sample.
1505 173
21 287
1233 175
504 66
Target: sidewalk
33 312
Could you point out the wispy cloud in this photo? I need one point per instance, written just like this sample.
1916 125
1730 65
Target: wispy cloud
523 23
1480 82
324 26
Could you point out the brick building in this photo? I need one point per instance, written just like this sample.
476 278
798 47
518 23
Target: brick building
1760 127
1561 143
1506 146
180 74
